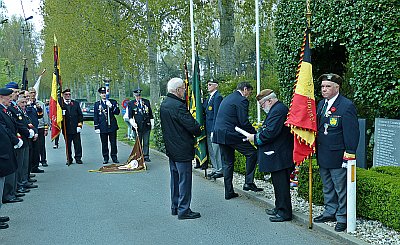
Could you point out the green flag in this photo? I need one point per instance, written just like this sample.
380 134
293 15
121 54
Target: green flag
196 109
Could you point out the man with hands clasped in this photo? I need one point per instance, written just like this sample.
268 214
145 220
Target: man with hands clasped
106 125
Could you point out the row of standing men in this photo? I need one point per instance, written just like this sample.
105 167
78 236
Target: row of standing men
337 141
23 128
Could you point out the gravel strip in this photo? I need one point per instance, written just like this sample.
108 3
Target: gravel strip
370 231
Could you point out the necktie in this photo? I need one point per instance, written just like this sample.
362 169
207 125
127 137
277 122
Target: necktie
323 110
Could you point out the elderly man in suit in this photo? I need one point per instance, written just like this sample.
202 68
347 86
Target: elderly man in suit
211 106
179 129
73 121
337 142
275 153
234 112
106 125
141 118
8 142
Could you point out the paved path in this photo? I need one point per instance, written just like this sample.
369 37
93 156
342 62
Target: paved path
74 206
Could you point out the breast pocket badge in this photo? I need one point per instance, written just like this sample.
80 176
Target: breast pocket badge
334 121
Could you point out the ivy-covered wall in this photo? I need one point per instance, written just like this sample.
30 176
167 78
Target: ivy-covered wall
368 34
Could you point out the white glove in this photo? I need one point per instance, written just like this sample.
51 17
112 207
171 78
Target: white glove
63 112
211 136
97 131
108 103
31 133
133 123
20 143
152 123
78 129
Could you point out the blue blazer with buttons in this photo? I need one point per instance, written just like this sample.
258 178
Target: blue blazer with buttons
341 135
100 117
211 107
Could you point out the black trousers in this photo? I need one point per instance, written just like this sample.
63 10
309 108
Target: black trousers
76 139
281 183
42 145
33 155
112 137
228 160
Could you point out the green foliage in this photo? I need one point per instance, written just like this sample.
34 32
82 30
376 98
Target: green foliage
158 139
378 195
317 195
369 32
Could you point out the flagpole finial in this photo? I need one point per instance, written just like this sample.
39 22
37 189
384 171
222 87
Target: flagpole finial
55 40
308 13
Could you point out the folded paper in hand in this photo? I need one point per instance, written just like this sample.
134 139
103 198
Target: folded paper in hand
239 130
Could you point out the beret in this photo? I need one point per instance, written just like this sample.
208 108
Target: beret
331 77
66 90
5 91
264 93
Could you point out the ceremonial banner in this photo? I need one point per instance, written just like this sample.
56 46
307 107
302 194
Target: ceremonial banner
56 87
196 109
302 118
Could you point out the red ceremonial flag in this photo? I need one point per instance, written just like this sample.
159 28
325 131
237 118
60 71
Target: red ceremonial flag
55 108
302 118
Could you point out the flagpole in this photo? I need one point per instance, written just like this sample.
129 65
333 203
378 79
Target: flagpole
192 33
258 57
310 171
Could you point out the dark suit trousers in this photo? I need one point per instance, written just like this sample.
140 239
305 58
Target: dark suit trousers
228 159
105 137
42 145
76 138
181 185
281 183
33 155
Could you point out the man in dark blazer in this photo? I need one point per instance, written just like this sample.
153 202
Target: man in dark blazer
141 116
211 106
8 161
234 112
8 142
337 142
106 125
179 129
275 153
73 121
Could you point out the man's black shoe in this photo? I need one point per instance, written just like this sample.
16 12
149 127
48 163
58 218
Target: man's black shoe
19 195
32 180
4 219
44 164
146 159
23 190
79 161
15 199
37 170
278 218
189 215
271 212
174 211
231 195
251 187
218 175
32 175
322 218
3 225
30 186
115 160
105 161
340 227
210 175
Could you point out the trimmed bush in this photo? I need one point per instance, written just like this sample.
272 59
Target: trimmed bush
317 195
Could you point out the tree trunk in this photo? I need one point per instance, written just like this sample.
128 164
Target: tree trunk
227 33
152 53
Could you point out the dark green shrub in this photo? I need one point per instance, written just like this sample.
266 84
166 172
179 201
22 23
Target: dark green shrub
157 132
378 195
317 195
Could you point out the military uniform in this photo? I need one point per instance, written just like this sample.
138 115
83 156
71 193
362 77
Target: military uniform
140 110
107 129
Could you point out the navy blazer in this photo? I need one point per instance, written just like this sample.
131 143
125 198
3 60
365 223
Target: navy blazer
73 116
142 115
342 132
100 116
274 141
211 107
233 111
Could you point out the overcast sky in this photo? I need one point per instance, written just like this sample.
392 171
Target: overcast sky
26 9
